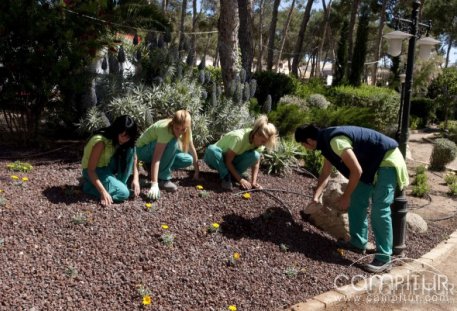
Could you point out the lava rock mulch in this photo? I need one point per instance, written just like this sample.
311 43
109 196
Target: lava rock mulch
61 250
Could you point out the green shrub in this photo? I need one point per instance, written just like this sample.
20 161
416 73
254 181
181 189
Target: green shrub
341 116
287 118
420 190
275 84
283 159
306 89
293 100
453 189
424 110
318 101
450 178
313 161
421 187
444 152
383 103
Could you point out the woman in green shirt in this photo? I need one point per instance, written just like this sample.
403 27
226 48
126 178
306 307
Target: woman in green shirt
109 160
165 146
240 149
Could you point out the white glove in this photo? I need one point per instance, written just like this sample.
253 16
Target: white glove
154 192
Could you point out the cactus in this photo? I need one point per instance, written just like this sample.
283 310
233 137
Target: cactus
246 92
121 55
201 66
161 41
179 71
104 63
201 76
214 94
253 85
204 95
207 77
266 108
219 91
138 55
238 96
242 75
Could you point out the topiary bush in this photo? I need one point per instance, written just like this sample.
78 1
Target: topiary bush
444 152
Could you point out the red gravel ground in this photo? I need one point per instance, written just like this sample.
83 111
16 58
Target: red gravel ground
61 250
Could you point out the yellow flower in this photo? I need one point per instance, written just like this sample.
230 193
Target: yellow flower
340 251
232 308
148 205
247 195
14 177
146 300
25 179
199 187
236 256
1 190
215 225
165 227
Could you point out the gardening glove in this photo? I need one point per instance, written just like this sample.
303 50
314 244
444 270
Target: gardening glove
154 192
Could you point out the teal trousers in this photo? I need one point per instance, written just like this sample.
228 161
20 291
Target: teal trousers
382 195
113 179
172 158
215 159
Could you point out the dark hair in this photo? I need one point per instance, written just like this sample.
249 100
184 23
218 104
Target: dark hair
302 133
122 124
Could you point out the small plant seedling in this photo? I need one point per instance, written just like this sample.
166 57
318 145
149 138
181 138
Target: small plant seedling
291 272
80 219
214 228
167 239
284 247
19 166
203 194
71 272
233 259
2 242
2 201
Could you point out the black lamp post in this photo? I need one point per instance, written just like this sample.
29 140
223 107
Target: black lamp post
400 205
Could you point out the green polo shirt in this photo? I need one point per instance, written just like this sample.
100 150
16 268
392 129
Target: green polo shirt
237 141
392 158
159 132
106 155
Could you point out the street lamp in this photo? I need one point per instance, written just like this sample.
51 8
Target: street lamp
400 204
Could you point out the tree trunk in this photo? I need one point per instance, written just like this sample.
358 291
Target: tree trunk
181 25
354 10
284 33
164 5
192 51
228 24
327 9
245 35
377 49
272 34
259 60
301 37
448 52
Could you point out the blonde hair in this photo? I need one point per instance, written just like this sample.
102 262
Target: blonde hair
267 130
182 117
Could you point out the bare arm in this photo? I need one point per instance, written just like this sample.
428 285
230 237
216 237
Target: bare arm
155 163
355 171
255 173
193 152
323 180
228 159
97 150
136 179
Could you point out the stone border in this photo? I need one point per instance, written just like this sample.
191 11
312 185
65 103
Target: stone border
347 292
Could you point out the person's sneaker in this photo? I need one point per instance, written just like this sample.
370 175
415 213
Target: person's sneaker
226 182
347 245
167 186
377 266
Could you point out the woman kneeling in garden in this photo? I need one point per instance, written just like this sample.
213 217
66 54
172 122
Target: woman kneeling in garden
109 160
238 150
164 147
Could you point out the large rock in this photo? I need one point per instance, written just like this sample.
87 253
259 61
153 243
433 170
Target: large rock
326 215
416 223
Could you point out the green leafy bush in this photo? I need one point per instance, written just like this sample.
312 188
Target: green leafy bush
287 118
421 187
293 100
444 152
424 109
313 161
275 84
318 101
383 103
306 89
341 116
283 159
